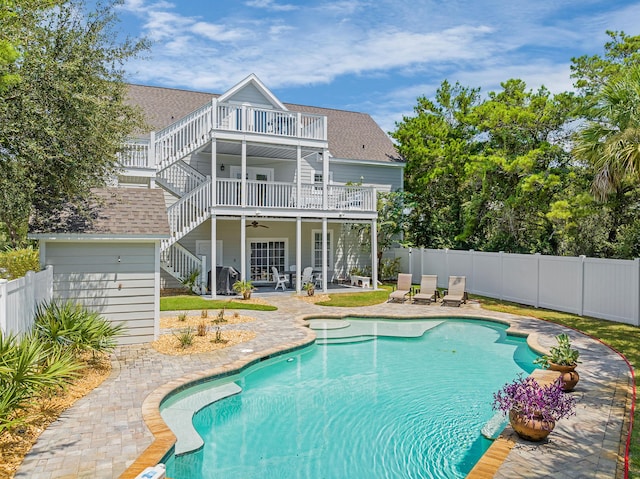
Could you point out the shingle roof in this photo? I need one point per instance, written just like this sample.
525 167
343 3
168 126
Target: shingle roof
110 212
351 135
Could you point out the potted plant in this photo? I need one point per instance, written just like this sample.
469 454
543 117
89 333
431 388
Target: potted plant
243 287
310 288
562 358
533 409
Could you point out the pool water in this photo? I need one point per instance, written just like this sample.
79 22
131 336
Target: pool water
382 407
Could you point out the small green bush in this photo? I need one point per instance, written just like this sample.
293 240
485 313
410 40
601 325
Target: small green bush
185 337
66 325
14 263
28 368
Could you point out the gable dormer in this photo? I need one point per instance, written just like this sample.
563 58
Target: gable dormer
253 92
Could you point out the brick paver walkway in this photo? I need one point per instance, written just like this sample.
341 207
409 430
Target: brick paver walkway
104 433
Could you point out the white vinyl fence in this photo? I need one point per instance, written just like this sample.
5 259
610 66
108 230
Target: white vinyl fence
600 288
20 297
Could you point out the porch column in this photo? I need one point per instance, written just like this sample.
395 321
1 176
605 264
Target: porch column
214 172
374 253
325 179
213 256
298 253
298 175
324 254
243 174
243 248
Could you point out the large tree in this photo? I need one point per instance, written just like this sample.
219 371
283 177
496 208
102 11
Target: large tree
437 143
63 122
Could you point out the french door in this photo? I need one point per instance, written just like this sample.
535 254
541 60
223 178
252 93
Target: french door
264 254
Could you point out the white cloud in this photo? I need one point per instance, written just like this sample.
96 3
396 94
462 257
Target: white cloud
271 5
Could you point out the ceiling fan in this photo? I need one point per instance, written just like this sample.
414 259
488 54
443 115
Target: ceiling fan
255 224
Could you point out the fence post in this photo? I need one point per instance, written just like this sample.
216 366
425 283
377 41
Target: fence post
473 276
581 286
446 263
3 306
501 275
538 256
49 295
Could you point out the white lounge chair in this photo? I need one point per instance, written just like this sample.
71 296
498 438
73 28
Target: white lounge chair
307 276
456 294
428 289
403 288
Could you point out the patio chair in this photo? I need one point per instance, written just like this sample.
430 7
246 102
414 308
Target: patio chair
456 294
403 288
307 276
280 279
428 289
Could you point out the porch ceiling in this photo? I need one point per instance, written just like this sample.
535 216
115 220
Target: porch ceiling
257 150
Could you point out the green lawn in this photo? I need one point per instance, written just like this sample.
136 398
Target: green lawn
365 298
190 303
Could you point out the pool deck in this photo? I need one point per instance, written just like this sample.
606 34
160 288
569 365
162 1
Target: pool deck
110 432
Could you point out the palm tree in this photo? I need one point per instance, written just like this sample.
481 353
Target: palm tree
611 142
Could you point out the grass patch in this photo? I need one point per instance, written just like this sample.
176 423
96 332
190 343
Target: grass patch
623 337
189 303
365 298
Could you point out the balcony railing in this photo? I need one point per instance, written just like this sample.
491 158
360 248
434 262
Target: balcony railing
284 195
271 122
135 154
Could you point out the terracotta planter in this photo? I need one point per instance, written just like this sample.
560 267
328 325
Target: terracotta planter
569 375
246 295
532 430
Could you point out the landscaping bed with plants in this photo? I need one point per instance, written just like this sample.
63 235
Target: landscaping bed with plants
45 371
191 334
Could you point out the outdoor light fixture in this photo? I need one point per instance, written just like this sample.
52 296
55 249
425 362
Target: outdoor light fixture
221 166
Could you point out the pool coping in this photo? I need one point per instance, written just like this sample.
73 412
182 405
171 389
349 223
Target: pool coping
486 467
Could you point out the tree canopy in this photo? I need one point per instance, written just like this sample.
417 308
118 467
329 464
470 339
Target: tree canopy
518 170
62 116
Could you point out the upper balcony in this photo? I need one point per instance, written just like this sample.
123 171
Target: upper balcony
191 132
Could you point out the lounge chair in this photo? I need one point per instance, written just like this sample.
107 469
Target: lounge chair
428 289
456 294
280 279
403 288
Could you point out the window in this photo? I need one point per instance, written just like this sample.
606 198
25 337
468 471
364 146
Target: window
316 249
264 255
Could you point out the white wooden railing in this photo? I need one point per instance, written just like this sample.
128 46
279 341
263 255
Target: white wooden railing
179 261
194 130
183 137
271 122
180 178
135 154
188 212
283 195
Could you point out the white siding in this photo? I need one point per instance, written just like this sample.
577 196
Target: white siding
123 291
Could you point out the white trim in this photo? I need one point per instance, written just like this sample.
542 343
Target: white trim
106 237
379 163
253 79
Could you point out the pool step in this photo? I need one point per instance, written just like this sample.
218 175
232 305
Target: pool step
347 340
494 426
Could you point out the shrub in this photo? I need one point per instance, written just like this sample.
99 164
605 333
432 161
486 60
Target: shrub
29 367
14 263
185 337
66 325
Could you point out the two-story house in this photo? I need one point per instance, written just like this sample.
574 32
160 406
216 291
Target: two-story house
253 183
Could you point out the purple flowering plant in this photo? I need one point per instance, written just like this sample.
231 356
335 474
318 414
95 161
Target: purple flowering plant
527 397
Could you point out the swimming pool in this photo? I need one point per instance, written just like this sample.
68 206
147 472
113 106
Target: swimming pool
371 399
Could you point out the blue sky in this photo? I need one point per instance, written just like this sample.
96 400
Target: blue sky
373 56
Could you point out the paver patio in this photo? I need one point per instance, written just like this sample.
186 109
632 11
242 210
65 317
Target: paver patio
105 433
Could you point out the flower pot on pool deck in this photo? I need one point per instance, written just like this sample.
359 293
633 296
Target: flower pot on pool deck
568 374
530 429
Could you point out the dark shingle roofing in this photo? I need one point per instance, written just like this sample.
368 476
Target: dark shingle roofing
111 212
351 135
